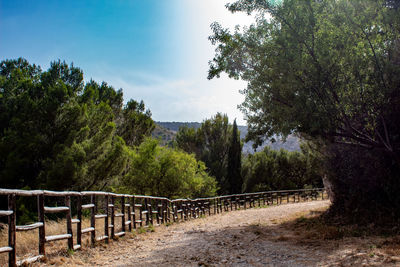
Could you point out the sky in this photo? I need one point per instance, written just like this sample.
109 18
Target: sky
155 50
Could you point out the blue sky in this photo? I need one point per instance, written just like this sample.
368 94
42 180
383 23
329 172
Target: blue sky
155 50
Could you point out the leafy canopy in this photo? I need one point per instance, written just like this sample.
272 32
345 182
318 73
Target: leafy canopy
163 171
218 147
327 69
56 132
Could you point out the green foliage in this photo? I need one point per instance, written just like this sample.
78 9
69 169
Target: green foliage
329 71
141 230
210 143
234 176
276 170
95 94
58 133
30 101
163 171
322 68
135 123
189 140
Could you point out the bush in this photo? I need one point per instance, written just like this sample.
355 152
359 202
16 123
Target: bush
163 171
274 170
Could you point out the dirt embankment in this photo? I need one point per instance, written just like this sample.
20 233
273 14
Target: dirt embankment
253 237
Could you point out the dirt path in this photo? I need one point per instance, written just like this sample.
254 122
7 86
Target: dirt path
251 237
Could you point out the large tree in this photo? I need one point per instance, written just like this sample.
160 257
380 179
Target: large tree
56 132
328 70
210 143
135 123
323 68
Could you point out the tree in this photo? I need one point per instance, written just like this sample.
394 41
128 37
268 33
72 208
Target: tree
234 176
30 102
57 132
321 68
135 123
277 170
163 171
210 143
96 93
214 134
328 70
189 140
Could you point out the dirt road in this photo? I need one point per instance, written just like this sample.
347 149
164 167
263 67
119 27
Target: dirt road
252 237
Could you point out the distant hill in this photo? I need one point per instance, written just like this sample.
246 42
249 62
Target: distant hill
166 131
165 135
174 125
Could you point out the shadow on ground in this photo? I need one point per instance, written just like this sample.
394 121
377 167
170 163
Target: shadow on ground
273 244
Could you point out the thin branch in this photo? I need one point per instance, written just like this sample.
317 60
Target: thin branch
354 144
386 132
383 142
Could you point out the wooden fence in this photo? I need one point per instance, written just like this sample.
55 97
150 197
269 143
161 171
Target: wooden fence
132 210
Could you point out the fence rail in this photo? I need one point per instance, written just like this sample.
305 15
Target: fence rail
132 210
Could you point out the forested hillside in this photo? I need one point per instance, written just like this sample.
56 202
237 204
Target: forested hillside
171 128
58 132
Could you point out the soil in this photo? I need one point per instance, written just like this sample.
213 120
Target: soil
252 237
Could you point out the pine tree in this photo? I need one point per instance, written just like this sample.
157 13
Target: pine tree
234 178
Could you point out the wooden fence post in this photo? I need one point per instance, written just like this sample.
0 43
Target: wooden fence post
181 209
93 220
112 226
123 214
42 230
185 210
79 223
128 205
141 212
12 258
167 205
133 212
165 210
158 214
107 212
69 223
150 211
174 211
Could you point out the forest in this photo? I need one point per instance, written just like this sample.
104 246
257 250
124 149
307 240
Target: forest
61 133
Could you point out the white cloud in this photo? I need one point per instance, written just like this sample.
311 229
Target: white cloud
180 100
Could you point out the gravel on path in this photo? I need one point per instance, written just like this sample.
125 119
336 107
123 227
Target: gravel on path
252 237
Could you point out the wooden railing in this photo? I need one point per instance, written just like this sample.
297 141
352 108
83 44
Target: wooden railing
132 210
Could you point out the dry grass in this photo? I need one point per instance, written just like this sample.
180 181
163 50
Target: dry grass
371 245
27 244
314 225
